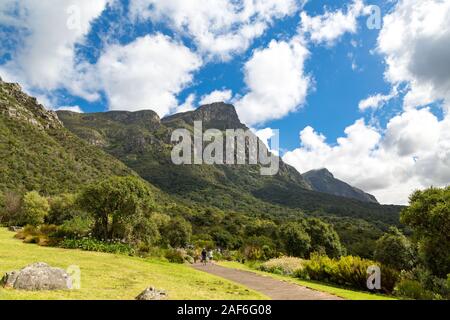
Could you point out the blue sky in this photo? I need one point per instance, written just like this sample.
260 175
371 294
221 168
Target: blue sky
342 95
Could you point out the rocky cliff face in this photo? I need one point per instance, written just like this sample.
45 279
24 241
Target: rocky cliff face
15 104
216 115
323 180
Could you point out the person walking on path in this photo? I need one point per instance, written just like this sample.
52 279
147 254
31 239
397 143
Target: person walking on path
204 256
210 256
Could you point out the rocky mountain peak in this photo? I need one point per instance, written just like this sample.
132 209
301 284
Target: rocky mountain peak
16 104
217 115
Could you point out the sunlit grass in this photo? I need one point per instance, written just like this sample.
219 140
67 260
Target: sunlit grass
108 276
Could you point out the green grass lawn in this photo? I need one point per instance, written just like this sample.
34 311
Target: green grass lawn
108 276
340 292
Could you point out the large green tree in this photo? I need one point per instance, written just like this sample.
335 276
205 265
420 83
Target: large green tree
395 250
296 240
323 238
119 206
428 215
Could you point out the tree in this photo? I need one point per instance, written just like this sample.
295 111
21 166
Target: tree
323 238
62 208
34 209
10 208
296 240
177 232
118 205
394 250
428 215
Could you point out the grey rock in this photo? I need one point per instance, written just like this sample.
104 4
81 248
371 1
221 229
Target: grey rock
152 294
38 276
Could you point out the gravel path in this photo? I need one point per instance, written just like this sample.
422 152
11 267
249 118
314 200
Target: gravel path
274 289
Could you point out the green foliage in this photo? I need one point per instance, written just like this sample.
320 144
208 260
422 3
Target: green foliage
62 208
89 244
34 209
118 205
428 215
323 238
412 289
177 232
10 209
297 241
75 228
347 271
174 256
395 250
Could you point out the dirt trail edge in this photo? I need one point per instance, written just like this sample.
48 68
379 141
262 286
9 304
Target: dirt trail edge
274 289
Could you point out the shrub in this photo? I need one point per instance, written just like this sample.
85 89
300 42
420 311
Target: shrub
347 271
175 256
62 208
177 232
40 235
77 227
412 289
34 209
10 208
283 265
90 244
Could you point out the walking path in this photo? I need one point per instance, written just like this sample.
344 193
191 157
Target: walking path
274 289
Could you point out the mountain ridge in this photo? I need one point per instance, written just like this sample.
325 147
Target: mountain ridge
323 180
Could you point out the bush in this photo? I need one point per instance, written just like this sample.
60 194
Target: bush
39 235
347 271
296 240
175 256
412 289
34 209
75 228
62 208
89 244
177 232
283 265
10 208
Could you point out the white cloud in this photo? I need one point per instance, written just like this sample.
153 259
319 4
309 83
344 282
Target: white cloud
276 82
147 73
70 108
377 101
265 135
47 32
413 152
216 96
218 27
330 26
415 40
187 105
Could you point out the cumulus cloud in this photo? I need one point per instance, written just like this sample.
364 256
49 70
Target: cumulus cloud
218 27
415 41
47 32
412 152
216 96
147 73
276 82
330 26
268 136
377 101
187 105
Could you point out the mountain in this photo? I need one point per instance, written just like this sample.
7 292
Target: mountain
141 140
323 180
38 153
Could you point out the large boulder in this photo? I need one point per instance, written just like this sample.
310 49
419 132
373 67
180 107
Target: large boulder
152 294
38 276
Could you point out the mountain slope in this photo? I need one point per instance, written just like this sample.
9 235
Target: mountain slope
142 141
323 180
38 153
